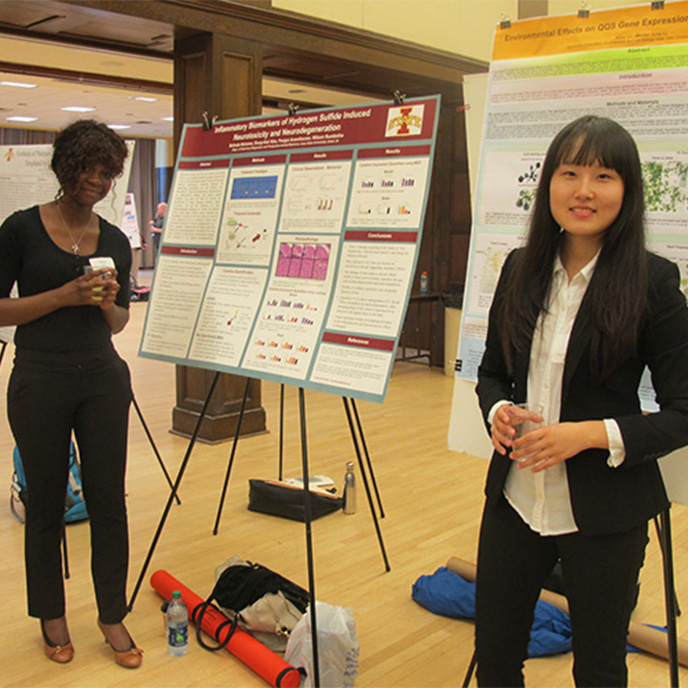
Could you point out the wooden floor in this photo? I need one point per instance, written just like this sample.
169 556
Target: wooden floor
432 499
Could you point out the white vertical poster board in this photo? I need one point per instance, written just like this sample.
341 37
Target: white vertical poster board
290 244
26 180
630 65
130 222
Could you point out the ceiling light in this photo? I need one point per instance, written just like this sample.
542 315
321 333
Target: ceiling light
77 108
18 118
17 84
119 126
145 99
167 119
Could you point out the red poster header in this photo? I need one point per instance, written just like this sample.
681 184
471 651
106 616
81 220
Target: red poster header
392 152
323 156
364 342
202 164
188 251
261 160
386 123
381 235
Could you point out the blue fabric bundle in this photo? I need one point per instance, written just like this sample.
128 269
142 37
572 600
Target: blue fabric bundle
447 594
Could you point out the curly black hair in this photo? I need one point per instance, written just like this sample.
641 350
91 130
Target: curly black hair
81 145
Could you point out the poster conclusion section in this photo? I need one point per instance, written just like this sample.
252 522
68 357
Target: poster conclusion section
290 244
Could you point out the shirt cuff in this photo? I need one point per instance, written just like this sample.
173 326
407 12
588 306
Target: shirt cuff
617 449
494 408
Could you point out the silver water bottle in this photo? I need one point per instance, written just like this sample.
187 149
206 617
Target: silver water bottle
349 489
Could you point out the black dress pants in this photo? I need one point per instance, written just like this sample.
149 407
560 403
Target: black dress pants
49 396
600 577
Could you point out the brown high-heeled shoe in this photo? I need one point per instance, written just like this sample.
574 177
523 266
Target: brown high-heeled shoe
129 659
57 653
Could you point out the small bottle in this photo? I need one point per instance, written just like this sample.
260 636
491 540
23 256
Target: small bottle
424 282
349 489
177 617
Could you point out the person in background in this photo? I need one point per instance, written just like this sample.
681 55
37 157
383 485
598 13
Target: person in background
156 226
578 314
72 272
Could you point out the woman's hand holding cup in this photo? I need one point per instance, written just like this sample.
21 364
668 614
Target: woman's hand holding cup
524 419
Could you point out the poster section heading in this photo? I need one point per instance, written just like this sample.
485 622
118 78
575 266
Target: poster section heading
290 256
629 65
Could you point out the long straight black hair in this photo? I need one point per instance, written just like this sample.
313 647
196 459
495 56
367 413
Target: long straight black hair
618 290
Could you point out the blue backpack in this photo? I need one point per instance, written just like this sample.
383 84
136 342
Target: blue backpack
75 506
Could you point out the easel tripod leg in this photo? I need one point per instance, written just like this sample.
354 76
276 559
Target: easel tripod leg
469 672
309 538
660 539
175 488
281 433
365 483
64 551
231 457
367 455
153 445
669 598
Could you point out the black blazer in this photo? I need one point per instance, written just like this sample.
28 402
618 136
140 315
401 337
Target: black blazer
604 499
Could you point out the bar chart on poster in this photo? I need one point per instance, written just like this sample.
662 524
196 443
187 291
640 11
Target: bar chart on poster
290 245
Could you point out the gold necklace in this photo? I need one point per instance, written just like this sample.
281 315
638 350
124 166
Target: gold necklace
75 244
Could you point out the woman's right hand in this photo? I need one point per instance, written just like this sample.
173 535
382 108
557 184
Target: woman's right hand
86 290
502 430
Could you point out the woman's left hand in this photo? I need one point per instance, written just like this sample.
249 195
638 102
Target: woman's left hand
546 446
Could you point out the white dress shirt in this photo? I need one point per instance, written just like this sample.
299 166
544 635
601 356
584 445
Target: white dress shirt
542 499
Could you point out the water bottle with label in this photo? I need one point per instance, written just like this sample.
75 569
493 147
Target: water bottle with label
349 489
177 617
424 283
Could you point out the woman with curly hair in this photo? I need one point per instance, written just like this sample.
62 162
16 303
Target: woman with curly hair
71 268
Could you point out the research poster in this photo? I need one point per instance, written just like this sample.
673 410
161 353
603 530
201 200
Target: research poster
26 180
630 65
290 244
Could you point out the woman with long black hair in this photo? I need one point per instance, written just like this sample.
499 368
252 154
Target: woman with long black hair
578 314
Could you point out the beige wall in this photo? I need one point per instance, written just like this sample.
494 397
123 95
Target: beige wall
464 27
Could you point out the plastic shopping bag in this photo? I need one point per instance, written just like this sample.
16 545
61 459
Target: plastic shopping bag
337 647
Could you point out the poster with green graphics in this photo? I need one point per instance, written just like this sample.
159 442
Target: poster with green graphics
628 64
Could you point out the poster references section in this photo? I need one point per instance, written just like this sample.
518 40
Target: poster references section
630 65
290 245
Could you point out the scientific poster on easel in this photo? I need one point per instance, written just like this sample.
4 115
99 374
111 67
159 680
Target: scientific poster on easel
630 65
290 244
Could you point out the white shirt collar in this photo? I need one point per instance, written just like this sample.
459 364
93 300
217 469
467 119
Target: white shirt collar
586 273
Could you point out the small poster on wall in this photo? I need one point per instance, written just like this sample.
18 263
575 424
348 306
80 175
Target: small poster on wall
130 223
